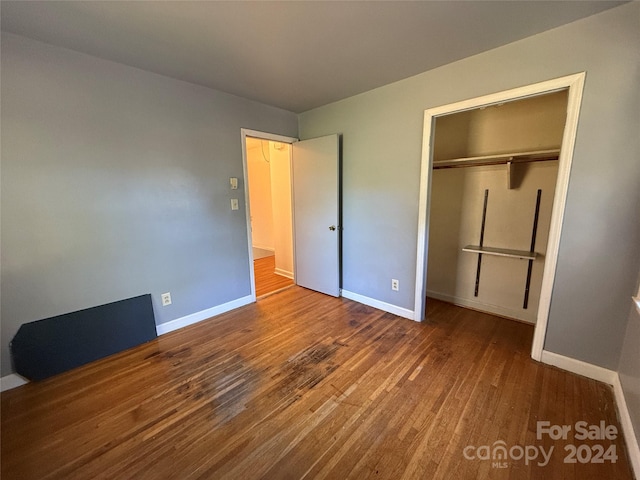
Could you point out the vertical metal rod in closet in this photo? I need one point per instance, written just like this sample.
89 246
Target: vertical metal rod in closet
533 246
484 218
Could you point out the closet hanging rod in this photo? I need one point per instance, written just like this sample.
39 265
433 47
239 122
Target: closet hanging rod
500 159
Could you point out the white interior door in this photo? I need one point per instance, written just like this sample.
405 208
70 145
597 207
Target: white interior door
316 192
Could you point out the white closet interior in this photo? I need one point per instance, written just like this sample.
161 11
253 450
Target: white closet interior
499 156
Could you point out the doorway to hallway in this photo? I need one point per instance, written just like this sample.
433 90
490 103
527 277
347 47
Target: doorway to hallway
269 188
307 200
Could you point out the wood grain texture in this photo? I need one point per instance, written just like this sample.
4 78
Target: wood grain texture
267 281
303 385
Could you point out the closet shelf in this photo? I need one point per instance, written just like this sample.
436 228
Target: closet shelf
500 159
501 252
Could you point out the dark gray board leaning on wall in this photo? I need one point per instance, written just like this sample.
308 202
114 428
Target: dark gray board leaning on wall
54 345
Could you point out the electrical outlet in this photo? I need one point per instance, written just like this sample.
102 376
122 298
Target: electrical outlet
233 181
166 299
234 204
395 285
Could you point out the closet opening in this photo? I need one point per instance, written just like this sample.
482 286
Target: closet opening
494 180
493 183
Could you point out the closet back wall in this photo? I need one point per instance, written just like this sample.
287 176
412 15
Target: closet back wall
458 196
535 123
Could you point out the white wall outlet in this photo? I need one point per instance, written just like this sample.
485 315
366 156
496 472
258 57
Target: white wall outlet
395 285
233 181
166 299
234 204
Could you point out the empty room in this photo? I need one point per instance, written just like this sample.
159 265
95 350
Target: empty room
320 240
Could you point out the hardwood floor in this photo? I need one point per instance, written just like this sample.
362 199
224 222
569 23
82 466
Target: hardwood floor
266 280
302 385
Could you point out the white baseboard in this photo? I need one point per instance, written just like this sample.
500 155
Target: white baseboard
627 427
578 366
372 302
283 273
495 309
12 380
268 249
202 315
612 378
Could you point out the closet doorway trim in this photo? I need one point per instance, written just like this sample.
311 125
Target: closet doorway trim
574 84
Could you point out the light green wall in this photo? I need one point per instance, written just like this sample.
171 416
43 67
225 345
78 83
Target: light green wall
600 245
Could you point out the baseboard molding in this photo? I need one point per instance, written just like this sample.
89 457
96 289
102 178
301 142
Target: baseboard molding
268 249
483 307
202 315
283 273
372 302
612 378
633 449
12 380
578 366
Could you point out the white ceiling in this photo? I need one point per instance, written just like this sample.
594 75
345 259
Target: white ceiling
293 55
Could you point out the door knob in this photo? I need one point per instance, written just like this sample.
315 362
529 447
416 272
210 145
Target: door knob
332 228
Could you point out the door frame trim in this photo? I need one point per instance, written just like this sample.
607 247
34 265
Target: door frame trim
244 133
575 85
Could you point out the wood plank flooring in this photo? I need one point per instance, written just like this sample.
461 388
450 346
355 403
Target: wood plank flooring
302 385
267 280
